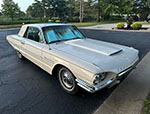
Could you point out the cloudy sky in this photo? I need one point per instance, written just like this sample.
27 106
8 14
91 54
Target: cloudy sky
23 4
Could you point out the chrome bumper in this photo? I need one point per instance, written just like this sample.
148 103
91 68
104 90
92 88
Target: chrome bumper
110 83
91 89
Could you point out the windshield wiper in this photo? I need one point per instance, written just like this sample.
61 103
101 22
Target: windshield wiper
55 41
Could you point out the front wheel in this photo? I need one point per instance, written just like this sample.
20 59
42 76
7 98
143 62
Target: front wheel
67 80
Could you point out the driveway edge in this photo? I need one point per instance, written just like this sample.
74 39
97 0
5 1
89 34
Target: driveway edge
129 96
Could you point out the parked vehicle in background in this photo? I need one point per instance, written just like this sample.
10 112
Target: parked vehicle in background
62 50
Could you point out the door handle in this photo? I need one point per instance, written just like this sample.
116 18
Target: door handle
22 42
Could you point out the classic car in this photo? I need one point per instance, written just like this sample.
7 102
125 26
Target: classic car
78 61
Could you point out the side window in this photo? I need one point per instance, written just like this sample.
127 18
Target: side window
34 34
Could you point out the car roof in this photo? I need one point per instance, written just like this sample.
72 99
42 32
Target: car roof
41 25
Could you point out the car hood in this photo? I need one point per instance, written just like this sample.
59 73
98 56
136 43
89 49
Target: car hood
106 56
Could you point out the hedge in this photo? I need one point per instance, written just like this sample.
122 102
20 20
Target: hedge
19 22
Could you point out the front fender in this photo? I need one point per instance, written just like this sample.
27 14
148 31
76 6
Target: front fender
78 72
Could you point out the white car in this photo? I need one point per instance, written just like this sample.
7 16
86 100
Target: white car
62 50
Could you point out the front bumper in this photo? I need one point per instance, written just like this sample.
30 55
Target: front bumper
91 89
113 81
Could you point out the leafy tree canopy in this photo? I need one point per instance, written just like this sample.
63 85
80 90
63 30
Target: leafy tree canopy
10 9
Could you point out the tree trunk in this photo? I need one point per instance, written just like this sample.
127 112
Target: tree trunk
81 11
41 18
98 13
12 17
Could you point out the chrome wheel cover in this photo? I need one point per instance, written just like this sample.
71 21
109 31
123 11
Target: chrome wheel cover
66 78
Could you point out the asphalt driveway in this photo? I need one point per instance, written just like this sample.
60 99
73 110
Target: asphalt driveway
26 89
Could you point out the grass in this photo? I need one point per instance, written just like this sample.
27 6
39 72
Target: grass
85 24
145 23
146 108
10 26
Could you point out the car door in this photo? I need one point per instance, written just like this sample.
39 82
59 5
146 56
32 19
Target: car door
48 57
33 45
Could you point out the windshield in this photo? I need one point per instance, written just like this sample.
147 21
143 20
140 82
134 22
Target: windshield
61 33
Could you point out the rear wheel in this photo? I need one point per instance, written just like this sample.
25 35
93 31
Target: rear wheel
20 55
67 80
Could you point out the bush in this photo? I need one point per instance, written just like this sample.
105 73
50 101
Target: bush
136 26
120 25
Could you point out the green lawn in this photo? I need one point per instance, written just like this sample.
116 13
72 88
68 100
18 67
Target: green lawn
145 23
10 26
85 24
146 109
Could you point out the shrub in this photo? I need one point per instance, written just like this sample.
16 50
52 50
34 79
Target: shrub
136 26
120 25
50 21
57 21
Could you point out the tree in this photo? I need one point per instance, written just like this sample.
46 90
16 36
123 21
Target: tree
107 7
123 6
36 9
73 10
142 7
29 11
0 13
98 8
104 8
55 8
81 11
10 9
21 14
48 8
89 10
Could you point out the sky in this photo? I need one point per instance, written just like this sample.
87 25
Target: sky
23 4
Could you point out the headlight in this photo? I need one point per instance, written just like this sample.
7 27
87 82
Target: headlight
99 78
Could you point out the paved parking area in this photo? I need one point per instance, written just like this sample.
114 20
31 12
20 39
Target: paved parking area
25 88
